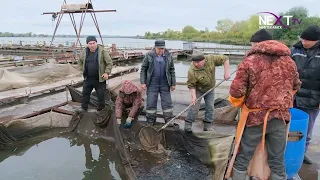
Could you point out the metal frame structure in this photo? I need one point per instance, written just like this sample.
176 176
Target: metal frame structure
71 9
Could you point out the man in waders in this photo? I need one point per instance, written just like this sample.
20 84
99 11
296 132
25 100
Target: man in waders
201 78
306 54
96 64
157 76
265 81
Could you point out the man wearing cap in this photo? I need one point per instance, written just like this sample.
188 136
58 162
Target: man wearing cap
201 78
157 76
306 54
265 83
96 64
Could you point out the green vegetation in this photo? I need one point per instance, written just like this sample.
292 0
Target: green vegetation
8 34
239 32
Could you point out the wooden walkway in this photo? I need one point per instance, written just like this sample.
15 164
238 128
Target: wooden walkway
22 94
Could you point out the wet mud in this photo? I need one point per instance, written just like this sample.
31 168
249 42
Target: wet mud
179 165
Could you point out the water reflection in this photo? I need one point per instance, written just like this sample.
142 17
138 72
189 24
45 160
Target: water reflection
72 157
104 166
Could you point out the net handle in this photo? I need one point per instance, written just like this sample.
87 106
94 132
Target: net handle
190 105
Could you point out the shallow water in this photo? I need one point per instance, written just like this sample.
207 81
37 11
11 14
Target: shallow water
69 156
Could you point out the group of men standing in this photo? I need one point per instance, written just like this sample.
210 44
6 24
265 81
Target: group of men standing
157 76
271 79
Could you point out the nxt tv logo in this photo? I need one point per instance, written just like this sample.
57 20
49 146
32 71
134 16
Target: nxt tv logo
273 21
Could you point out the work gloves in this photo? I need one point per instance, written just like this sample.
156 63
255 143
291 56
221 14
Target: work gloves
127 124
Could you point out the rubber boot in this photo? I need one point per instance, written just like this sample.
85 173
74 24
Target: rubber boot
307 160
151 119
239 175
274 176
188 127
207 127
80 110
167 117
100 109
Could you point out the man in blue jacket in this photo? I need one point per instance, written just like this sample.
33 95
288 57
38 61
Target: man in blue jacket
157 76
306 54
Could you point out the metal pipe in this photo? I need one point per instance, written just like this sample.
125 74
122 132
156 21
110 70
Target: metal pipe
66 12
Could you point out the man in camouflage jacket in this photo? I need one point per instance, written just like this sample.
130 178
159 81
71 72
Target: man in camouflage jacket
201 78
129 98
265 80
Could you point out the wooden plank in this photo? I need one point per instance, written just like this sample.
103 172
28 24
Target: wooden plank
45 110
15 94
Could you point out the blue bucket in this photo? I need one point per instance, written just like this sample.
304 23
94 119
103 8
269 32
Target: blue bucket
295 149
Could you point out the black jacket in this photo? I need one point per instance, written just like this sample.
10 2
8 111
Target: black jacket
147 68
308 64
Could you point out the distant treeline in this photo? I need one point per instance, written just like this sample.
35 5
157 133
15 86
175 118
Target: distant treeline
30 34
239 32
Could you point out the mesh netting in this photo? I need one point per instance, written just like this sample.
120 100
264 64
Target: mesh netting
206 148
23 127
38 75
210 149
150 138
226 115
12 130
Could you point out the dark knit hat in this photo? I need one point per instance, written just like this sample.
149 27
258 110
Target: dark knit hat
261 35
197 55
312 33
91 38
160 44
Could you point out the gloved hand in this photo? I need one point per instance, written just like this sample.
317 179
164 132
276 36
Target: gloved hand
119 121
128 122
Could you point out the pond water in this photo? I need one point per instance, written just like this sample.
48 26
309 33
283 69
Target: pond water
70 156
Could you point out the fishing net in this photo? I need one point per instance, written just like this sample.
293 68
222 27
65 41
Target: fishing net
12 130
226 115
204 154
211 149
150 138
208 148
37 75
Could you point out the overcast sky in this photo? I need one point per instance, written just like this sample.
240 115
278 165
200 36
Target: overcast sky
136 17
